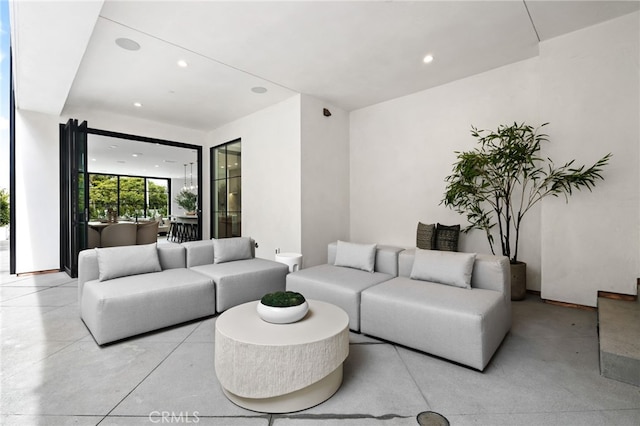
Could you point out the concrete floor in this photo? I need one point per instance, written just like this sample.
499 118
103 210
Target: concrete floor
52 373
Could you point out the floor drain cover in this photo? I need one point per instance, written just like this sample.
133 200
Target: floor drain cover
431 418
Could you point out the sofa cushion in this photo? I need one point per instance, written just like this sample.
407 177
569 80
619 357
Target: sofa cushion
447 237
230 249
172 256
337 285
357 256
244 280
115 262
443 267
426 236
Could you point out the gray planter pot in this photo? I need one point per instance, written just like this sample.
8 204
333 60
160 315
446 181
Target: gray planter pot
518 280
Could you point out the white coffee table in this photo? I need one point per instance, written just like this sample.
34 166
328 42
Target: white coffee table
281 368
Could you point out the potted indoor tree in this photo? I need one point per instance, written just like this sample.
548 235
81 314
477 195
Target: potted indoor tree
187 200
499 181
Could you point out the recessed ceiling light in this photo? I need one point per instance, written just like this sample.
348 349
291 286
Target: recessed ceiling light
113 146
137 104
136 154
127 43
259 89
182 63
428 59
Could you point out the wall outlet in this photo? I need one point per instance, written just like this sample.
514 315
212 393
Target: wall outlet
277 251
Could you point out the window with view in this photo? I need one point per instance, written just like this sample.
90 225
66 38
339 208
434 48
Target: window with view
127 196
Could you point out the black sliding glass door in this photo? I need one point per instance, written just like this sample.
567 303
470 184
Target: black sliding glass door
74 194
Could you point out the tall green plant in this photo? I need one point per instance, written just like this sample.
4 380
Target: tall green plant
499 181
4 207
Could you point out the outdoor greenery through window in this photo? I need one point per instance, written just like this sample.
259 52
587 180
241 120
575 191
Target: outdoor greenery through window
129 197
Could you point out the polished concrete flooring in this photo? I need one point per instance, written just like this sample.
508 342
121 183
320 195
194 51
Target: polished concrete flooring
53 373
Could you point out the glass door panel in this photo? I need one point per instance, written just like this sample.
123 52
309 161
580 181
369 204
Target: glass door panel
226 190
74 196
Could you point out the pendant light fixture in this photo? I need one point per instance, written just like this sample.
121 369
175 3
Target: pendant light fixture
191 177
185 177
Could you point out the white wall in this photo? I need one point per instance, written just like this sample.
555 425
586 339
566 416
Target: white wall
37 198
271 212
135 126
325 178
586 85
402 150
591 93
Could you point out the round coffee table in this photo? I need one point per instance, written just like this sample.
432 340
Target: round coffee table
281 368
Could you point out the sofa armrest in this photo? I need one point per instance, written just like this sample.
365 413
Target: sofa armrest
492 273
332 249
405 262
387 259
88 269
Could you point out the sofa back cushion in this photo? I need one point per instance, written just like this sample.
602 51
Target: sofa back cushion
198 252
230 249
115 262
172 256
489 272
443 267
356 256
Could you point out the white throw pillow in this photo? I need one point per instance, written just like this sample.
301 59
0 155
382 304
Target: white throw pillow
357 256
444 267
230 249
122 261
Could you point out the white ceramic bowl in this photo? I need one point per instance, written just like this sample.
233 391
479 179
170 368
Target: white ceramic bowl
285 315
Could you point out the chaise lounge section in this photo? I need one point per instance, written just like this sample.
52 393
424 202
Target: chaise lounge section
128 290
453 305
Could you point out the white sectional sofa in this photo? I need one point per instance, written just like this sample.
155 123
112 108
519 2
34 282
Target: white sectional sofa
128 290
453 305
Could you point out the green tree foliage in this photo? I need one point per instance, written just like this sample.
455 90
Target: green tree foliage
103 195
131 196
4 207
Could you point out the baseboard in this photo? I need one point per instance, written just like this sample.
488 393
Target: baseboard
617 296
603 294
570 305
28 274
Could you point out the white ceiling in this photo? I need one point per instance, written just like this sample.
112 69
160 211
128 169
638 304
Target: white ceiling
350 54
128 157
